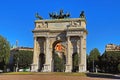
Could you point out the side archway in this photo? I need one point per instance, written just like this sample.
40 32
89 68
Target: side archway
41 61
75 62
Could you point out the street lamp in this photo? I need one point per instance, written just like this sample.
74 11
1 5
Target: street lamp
17 64
93 65
96 68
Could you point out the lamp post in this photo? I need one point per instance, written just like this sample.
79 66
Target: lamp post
96 68
93 65
17 64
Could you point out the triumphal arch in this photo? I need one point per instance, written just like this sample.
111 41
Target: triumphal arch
62 36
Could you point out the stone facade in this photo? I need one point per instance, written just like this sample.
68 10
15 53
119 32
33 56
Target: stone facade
48 33
21 48
112 47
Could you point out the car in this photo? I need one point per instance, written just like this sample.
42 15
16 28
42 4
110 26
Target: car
20 70
1 71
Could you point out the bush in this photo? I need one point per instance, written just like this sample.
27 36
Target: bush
119 67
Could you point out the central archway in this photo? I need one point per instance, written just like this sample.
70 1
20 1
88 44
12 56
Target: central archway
59 57
75 62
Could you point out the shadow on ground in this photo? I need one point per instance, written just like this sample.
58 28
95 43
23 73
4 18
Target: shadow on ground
102 75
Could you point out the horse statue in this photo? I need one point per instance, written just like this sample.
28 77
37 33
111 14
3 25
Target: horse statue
59 16
82 15
37 16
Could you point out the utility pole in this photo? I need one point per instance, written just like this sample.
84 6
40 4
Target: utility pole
93 65
96 69
17 64
16 43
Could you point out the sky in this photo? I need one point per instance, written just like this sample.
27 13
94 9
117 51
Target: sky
103 19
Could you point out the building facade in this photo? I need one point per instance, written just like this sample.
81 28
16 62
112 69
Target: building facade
14 49
63 35
112 47
22 48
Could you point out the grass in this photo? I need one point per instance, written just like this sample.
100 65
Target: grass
45 73
18 73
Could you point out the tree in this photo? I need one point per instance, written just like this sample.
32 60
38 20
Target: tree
119 67
110 61
94 55
4 52
94 59
59 62
23 58
75 62
88 62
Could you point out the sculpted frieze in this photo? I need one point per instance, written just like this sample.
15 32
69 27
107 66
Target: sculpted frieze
74 24
75 33
41 25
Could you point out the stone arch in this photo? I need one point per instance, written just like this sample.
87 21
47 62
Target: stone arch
75 43
41 53
46 38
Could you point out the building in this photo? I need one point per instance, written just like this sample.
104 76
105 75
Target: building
57 34
112 47
14 49
22 48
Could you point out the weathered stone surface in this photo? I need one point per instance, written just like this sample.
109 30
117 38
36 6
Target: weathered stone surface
72 32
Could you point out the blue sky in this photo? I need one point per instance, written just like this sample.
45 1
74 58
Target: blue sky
103 19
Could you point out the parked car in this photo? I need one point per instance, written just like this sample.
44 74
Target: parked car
20 70
1 71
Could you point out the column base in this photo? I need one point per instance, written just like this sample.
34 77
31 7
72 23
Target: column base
82 68
68 68
34 68
47 68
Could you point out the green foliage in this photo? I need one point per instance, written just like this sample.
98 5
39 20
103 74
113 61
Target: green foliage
59 63
93 59
110 61
75 62
24 58
119 67
41 61
94 55
4 51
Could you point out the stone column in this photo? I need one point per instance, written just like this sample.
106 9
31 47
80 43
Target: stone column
84 51
47 65
69 57
82 54
35 64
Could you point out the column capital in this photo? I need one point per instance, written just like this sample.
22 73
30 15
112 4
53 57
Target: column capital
35 37
47 37
68 37
81 36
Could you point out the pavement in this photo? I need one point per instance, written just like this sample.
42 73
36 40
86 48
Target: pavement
104 75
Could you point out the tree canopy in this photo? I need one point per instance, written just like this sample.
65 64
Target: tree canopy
75 60
4 53
4 50
110 61
93 59
24 58
59 63
94 55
